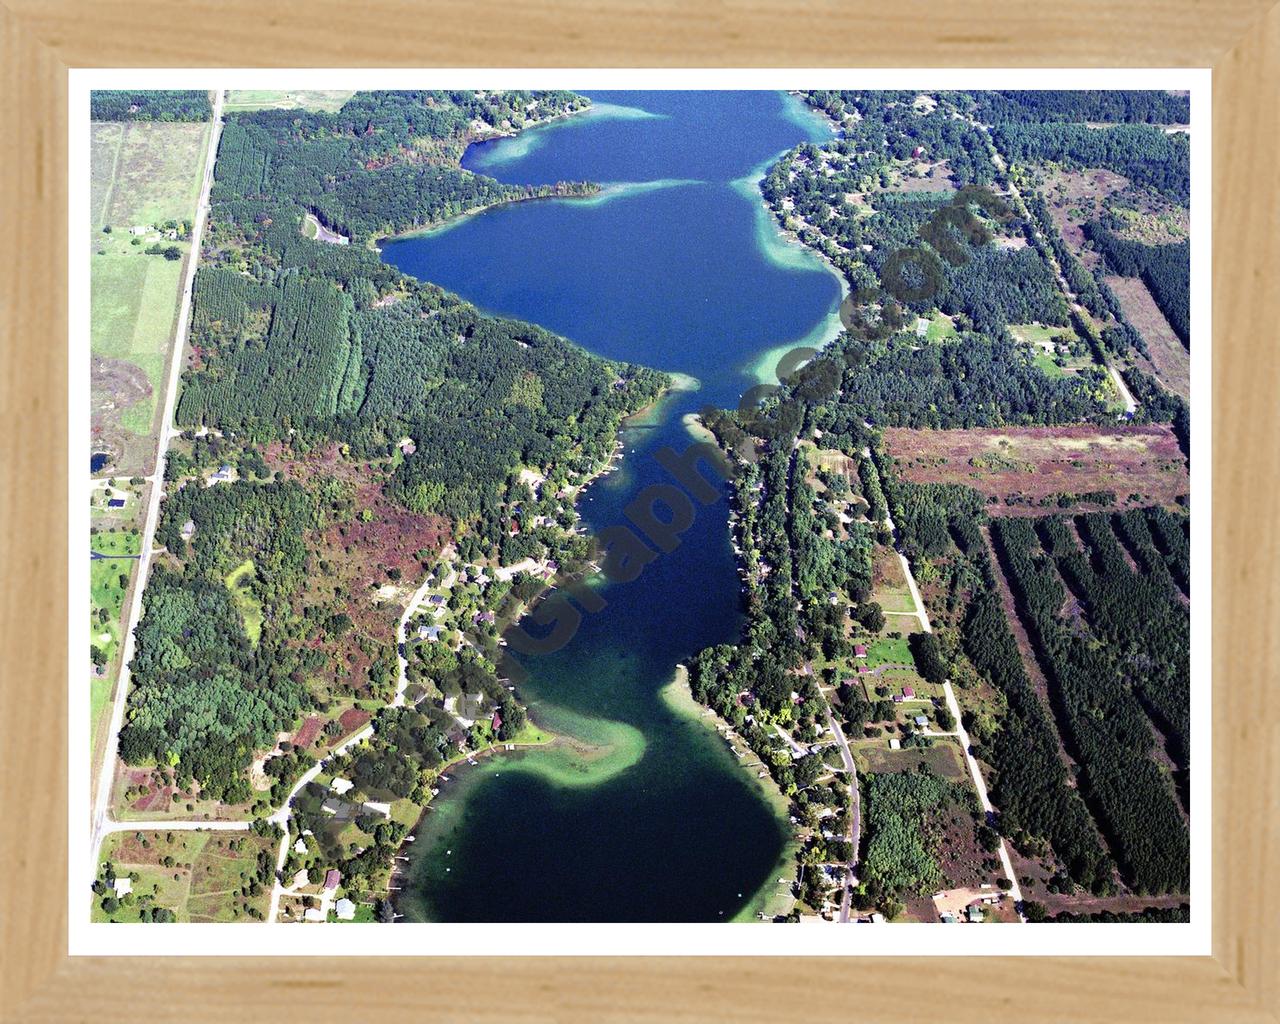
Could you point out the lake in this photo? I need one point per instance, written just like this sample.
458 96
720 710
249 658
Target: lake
676 265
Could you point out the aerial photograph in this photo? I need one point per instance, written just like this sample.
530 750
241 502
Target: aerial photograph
651 506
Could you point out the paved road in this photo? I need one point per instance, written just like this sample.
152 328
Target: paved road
102 796
157 825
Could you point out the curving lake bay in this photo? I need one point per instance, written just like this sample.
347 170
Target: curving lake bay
676 265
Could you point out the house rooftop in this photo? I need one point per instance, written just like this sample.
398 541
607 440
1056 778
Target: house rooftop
332 877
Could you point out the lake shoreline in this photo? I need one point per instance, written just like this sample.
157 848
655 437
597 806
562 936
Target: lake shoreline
713 298
679 698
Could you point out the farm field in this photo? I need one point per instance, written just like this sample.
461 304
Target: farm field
144 176
296 99
1169 357
1030 465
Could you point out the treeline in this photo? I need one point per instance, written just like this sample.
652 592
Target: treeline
1165 269
1143 154
1105 723
150 105
1039 106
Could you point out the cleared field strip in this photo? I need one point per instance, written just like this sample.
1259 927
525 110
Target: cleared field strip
1169 357
1140 465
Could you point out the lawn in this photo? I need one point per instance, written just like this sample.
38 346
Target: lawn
240 583
107 588
888 650
940 327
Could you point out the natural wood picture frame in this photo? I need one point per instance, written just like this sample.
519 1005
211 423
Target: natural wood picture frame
41 39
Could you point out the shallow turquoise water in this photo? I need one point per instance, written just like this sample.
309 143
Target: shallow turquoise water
676 266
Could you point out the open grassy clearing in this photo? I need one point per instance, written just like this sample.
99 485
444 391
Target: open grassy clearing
1057 351
1140 465
1169 357
294 99
157 174
890 591
109 579
240 582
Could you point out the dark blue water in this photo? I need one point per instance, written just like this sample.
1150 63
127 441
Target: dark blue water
688 277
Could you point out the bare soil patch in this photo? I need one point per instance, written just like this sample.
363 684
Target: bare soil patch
116 386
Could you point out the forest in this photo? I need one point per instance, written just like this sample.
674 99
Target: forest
384 163
150 105
1031 786
1097 690
1039 106
321 341
1144 154
303 347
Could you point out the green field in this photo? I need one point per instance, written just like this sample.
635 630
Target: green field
134 302
295 99
204 882
145 172
142 175
239 582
